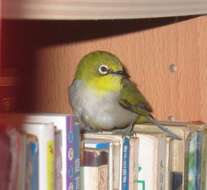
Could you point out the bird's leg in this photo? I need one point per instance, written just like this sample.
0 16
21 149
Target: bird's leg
128 131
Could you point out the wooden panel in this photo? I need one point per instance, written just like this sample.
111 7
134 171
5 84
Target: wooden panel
167 61
107 9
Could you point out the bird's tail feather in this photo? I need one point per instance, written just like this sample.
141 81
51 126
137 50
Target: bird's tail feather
164 129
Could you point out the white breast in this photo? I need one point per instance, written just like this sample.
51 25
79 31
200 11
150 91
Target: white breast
102 112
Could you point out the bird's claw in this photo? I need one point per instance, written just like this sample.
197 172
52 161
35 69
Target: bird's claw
128 131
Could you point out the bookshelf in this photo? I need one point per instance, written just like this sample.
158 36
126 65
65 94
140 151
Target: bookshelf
165 56
108 9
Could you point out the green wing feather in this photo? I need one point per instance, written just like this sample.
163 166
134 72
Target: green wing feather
132 99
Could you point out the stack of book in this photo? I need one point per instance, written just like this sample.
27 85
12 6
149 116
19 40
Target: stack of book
47 152
147 160
44 152
137 162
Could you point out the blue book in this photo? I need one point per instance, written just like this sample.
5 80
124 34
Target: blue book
125 163
74 135
32 169
96 144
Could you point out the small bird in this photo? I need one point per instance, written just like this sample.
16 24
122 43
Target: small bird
103 97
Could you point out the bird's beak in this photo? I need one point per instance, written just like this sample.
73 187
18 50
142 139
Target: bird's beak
120 72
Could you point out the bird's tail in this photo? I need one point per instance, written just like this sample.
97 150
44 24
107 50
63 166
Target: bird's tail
163 128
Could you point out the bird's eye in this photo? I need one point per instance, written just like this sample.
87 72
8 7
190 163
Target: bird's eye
103 69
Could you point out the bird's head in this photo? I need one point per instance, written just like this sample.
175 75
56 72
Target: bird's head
102 71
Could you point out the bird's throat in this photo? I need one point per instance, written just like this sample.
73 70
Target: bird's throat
104 85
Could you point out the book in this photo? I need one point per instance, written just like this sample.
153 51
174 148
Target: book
94 177
184 152
21 165
160 161
67 145
32 162
150 162
196 172
5 153
120 157
125 164
94 168
168 164
177 180
16 179
45 134
107 146
175 151
204 162
133 162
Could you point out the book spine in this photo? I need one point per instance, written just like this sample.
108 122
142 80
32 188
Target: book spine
15 141
59 162
94 177
193 161
162 162
125 164
133 163
73 162
22 163
5 159
45 134
147 170
204 162
177 180
76 147
111 165
199 154
32 163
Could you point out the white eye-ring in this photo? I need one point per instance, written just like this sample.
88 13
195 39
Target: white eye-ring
103 69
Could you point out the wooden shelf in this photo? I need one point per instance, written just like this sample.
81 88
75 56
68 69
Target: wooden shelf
105 9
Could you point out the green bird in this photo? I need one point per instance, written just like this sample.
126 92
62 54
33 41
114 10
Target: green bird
103 97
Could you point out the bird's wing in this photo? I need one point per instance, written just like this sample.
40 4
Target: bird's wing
132 99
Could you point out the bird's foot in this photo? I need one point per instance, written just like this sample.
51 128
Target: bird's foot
128 131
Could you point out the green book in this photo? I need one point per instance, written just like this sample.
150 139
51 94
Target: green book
196 149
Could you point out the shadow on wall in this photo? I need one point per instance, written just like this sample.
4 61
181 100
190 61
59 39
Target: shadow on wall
21 39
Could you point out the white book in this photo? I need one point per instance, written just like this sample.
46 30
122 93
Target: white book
133 164
117 141
46 135
99 144
168 165
161 164
152 160
147 159
22 164
95 178
17 168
